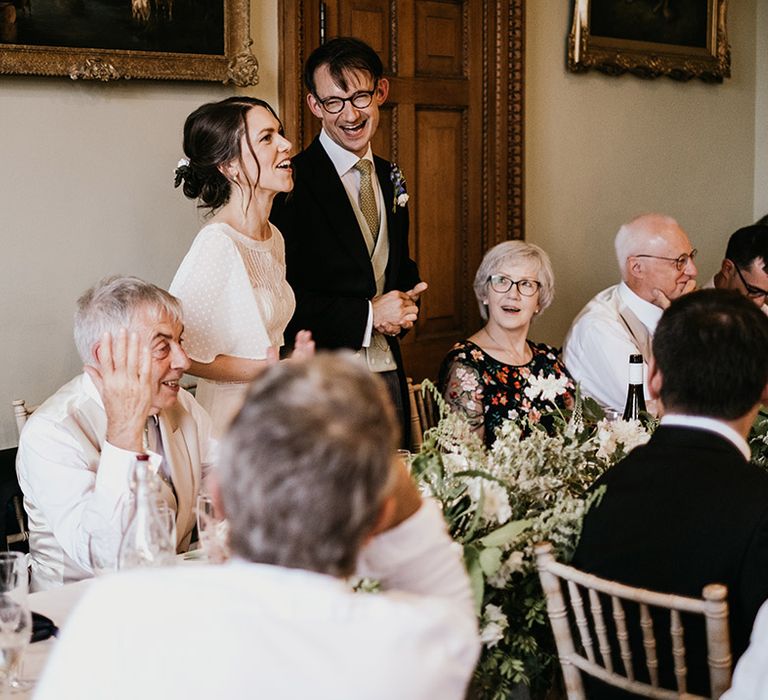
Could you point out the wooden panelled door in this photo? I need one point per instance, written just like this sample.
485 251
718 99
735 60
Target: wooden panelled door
453 123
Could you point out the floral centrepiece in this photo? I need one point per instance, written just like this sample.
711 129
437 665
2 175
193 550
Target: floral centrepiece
498 502
398 184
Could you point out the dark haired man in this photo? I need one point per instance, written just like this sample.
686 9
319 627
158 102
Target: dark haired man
313 491
688 509
346 222
745 266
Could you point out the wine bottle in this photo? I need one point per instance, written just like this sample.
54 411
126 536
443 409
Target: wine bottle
635 396
146 541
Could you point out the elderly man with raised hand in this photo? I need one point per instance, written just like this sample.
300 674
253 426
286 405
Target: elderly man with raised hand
312 489
655 257
77 451
745 266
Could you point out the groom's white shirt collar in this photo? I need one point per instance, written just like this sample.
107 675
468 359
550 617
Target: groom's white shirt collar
342 159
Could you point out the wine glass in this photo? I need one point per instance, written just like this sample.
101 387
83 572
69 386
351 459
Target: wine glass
211 530
15 619
168 518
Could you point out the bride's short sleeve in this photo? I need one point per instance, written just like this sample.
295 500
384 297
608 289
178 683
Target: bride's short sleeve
221 316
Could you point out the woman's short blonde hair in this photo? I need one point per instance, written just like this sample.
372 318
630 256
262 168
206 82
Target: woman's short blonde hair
514 252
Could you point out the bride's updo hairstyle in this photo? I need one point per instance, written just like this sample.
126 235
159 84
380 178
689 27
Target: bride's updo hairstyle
212 136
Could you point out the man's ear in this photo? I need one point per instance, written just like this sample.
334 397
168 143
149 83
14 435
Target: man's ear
655 379
634 267
314 106
382 91
383 519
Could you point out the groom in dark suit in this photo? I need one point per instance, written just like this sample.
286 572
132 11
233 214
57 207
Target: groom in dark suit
346 222
688 508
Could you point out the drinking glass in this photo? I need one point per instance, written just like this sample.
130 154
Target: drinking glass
405 456
168 518
211 530
15 619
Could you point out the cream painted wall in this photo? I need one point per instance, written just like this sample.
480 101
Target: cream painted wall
86 190
761 111
600 150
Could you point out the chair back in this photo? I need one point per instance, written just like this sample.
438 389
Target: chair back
21 412
13 519
589 617
424 413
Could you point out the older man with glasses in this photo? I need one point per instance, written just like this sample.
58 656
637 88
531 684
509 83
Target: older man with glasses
745 266
656 258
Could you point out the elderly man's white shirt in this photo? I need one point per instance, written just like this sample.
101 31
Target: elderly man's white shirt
75 482
247 630
598 345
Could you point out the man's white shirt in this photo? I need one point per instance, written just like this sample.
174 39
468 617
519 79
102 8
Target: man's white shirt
253 630
598 345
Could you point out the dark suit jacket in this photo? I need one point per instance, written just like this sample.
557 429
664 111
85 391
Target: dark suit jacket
678 513
327 261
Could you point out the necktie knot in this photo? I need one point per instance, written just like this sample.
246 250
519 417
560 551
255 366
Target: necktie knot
363 166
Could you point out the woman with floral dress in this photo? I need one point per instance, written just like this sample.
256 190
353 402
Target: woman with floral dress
498 374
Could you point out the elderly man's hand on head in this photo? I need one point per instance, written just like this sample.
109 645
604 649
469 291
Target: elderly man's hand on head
124 379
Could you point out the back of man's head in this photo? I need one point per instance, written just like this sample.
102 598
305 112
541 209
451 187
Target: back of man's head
748 244
307 463
342 55
710 349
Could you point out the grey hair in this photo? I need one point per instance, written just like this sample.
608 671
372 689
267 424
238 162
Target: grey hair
515 252
111 304
633 237
306 464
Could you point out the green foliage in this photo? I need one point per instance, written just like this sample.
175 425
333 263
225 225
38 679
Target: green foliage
498 503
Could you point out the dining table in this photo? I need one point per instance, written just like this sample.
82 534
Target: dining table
56 604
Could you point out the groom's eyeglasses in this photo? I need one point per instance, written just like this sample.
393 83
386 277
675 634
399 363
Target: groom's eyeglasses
360 100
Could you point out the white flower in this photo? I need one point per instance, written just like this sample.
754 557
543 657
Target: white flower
495 623
495 500
183 162
402 199
549 387
512 564
625 433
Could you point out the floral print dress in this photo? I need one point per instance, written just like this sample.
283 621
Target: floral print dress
488 392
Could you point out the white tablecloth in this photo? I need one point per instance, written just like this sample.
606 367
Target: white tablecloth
56 604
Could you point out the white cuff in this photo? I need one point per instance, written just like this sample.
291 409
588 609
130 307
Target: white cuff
368 327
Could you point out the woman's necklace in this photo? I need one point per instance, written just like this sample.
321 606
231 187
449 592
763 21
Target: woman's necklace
513 357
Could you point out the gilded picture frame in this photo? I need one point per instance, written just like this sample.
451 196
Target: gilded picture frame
681 39
108 40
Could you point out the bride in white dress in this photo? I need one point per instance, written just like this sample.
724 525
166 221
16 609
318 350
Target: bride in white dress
232 283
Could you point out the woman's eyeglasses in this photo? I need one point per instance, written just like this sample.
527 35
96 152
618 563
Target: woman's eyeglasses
501 284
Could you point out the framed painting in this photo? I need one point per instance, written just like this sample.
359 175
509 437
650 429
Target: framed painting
128 39
682 39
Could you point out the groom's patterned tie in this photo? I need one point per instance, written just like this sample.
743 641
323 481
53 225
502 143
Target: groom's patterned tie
367 200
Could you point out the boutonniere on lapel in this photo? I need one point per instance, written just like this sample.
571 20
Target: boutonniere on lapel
398 183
